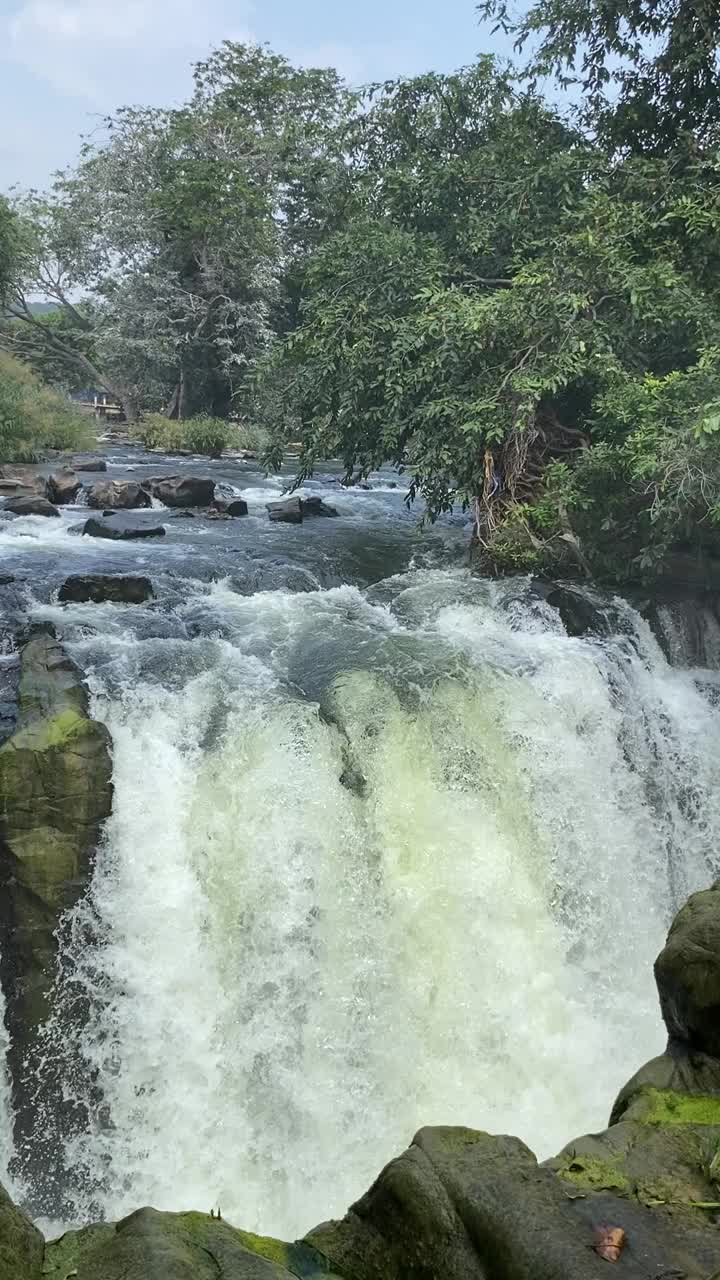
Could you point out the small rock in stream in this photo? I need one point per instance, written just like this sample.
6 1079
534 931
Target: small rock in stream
104 588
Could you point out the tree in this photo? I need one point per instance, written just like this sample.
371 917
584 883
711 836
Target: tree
8 247
503 292
648 70
174 233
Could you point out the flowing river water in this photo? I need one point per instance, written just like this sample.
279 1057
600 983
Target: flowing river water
388 848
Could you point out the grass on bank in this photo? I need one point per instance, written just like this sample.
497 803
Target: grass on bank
34 417
201 434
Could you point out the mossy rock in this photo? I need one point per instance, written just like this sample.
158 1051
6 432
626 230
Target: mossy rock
21 1244
55 794
178 1246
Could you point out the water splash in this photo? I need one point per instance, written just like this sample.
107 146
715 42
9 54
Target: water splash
376 860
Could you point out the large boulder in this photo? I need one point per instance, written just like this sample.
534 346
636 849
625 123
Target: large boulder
94 528
22 482
182 491
103 588
149 1245
63 487
119 495
687 973
31 507
21 1244
55 794
464 1205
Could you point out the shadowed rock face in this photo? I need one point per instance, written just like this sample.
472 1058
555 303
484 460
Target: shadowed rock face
55 793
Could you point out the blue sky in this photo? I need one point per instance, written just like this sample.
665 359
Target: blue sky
65 63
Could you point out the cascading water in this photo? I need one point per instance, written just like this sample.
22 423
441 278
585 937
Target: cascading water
382 855
377 860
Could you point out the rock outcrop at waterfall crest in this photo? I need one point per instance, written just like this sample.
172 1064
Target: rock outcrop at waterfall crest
464 1205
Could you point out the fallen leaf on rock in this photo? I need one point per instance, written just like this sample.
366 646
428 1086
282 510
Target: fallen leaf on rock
609 1242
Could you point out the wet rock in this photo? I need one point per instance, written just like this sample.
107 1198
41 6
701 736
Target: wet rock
687 973
120 495
149 1245
31 507
294 510
237 507
63 487
99 588
22 482
21 1244
580 615
89 464
316 507
289 511
183 515
182 491
55 793
94 528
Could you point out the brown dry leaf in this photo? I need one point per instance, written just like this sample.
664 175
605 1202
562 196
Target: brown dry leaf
609 1242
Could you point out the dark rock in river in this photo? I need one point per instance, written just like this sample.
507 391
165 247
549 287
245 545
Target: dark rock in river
182 491
89 464
236 507
55 793
31 507
120 495
100 588
316 507
579 614
293 510
95 528
287 512
63 487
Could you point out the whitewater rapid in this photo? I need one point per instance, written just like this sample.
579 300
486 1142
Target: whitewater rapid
378 859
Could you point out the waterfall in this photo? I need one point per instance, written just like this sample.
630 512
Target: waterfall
377 860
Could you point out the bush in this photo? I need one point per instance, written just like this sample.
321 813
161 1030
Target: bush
34 417
201 434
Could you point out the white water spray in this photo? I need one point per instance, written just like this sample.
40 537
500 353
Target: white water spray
372 866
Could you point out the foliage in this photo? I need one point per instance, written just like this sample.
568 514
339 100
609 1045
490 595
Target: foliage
648 71
178 232
8 247
503 298
200 434
34 417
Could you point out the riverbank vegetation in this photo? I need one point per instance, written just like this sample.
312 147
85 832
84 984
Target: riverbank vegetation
34 417
514 298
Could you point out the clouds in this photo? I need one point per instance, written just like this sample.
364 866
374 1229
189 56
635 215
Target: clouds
109 50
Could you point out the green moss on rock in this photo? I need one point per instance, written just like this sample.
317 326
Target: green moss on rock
593 1174
665 1107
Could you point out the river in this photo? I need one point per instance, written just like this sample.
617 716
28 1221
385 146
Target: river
388 848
